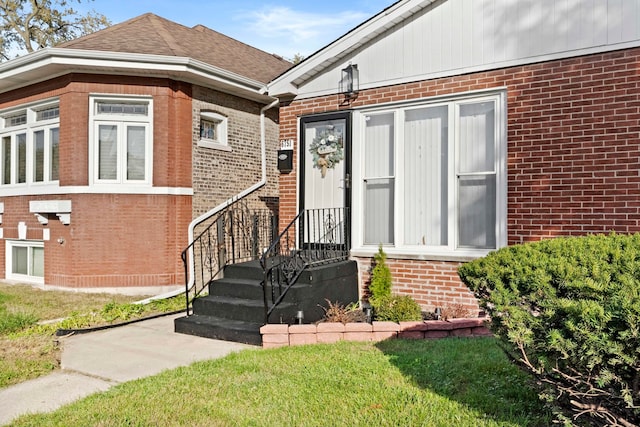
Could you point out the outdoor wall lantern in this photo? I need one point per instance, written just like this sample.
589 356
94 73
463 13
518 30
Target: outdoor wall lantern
350 81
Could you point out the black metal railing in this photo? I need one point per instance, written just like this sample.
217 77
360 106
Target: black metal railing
313 237
237 234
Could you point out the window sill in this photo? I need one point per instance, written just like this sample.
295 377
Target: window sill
404 253
214 145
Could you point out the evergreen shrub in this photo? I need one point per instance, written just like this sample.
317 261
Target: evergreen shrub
397 308
387 307
381 280
568 310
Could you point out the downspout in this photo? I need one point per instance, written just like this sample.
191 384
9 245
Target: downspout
240 195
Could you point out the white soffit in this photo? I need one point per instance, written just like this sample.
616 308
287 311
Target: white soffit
53 62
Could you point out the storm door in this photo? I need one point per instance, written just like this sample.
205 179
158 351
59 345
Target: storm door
325 143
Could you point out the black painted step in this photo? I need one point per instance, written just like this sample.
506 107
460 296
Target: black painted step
251 270
248 310
221 329
239 288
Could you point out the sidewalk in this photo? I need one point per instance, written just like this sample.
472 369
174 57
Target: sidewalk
95 361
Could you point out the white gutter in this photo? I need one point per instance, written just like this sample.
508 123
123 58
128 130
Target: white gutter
240 195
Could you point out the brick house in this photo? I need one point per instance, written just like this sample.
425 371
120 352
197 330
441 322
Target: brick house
451 128
111 144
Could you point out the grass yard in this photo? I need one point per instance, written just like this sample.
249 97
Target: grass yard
451 382
28 349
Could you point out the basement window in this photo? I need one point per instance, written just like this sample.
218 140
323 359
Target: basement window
25 261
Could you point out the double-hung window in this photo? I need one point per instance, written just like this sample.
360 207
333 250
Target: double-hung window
29 145
121 140
433 176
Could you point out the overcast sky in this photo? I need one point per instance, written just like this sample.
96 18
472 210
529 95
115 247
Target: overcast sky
283 27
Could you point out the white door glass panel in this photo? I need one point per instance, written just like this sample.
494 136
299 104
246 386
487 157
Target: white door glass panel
21 142
477 176
426 176
37 262
324 164
379 180
107 152
136 153
38 155
20 260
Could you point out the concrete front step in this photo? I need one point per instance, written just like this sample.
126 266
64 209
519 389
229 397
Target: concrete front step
239 288
218 328
238 297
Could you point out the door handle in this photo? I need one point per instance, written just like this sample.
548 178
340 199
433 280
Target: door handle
347 181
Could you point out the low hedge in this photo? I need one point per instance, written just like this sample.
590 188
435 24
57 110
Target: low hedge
568 310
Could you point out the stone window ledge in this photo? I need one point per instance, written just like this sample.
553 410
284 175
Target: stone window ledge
42 208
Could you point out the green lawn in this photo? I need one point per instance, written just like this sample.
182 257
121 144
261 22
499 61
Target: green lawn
451 382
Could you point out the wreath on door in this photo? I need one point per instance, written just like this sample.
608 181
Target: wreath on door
327 149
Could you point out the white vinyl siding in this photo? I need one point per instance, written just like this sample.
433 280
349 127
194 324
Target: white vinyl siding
122 141
433 177
457 37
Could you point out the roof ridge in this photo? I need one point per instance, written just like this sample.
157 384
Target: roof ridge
201 27
167 36
108 29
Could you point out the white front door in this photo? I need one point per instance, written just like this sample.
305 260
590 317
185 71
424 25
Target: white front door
324 184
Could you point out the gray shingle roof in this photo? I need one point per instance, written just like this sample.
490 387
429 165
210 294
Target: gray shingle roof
154 35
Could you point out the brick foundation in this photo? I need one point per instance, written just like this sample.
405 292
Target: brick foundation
326 333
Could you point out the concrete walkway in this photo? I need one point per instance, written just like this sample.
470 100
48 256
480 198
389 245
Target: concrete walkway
95 361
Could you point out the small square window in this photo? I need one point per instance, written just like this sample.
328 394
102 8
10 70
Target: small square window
209 129
213 131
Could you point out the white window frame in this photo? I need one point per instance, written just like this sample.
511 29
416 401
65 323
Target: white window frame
121 121
451 251
220 141
29 128
27 278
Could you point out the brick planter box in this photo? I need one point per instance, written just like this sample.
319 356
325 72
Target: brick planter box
278 335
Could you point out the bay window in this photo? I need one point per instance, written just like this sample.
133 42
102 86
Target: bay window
29 140
122 140
433 177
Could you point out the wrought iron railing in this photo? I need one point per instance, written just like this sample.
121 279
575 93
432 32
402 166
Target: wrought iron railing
313 237
237 234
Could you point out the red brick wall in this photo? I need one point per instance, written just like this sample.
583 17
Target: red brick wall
573 151
113 239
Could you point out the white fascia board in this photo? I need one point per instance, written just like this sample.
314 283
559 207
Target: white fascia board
97 189
40 64
288 82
